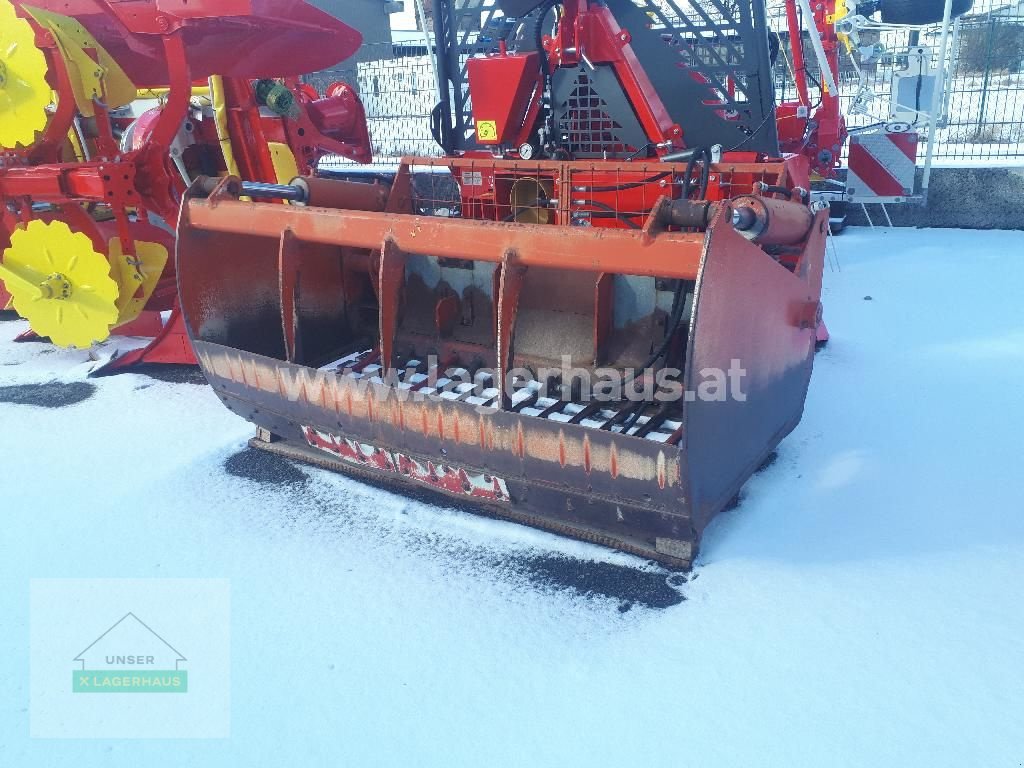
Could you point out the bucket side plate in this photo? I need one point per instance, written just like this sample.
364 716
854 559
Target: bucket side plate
754 314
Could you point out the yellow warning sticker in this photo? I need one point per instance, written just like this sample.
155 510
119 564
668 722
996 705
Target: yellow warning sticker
486 130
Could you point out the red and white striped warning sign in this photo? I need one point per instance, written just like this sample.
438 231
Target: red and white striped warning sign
881 167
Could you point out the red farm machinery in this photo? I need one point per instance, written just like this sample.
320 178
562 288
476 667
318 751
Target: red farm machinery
109 110
596 314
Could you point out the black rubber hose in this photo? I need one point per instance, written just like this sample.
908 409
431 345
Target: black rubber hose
544 62
624 187
678 304
613 213
678 300
774 189
539 34
702 156
690 165
705 175
441 115
436 130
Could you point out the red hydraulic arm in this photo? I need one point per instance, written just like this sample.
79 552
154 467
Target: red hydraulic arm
815 131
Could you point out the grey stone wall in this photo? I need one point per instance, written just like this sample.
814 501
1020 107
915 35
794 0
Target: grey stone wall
967 198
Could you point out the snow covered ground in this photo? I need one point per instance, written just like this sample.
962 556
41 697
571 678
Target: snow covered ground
861 606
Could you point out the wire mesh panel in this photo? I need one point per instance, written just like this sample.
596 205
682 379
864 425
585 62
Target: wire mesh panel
985 105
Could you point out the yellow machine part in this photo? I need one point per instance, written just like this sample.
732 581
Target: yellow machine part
285 167
75 147
24 93
136 276
220 118
60 284
92 79
841 12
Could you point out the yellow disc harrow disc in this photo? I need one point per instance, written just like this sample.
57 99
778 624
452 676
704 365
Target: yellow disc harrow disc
24 94
60 284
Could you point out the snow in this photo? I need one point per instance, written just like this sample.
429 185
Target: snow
861 606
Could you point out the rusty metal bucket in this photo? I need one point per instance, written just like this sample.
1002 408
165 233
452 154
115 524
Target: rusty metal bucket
375 331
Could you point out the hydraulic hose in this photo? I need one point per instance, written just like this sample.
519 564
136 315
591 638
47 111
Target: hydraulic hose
549 123
622 187
610 213
703 155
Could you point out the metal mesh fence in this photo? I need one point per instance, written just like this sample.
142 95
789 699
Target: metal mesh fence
982 119
398 87
982 116
984 111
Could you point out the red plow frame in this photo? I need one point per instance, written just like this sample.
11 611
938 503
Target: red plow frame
174 44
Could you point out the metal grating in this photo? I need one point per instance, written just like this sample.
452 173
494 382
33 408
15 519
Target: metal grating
546 400
585 124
